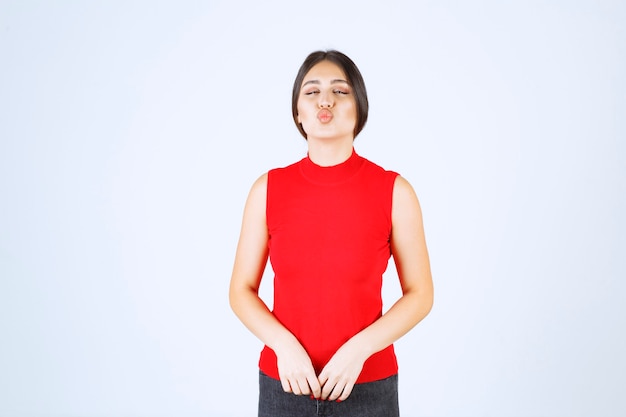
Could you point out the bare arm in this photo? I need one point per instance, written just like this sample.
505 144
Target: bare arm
410 254
296 371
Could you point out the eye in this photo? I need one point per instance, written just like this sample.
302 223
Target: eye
310 93
342 92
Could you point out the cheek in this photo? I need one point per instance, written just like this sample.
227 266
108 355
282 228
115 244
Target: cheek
305 115
300 113
352 112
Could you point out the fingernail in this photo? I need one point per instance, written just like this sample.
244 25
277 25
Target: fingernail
338 400
312 396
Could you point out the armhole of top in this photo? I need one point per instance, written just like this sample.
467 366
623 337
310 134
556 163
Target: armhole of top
267 197
393 178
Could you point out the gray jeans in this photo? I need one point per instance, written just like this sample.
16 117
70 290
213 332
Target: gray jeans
372 399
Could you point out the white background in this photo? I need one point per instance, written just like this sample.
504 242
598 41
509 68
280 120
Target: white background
130 133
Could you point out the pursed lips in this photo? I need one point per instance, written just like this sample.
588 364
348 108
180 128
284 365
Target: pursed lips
324 115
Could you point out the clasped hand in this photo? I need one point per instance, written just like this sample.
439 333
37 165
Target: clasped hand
336 380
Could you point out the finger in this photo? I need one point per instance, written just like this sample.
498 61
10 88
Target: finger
323 378
304 387
327 388
295 387
316 388
336 392
347 390
285 383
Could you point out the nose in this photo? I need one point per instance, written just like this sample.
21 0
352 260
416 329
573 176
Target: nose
326 100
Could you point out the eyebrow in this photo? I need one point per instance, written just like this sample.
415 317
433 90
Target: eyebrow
338 80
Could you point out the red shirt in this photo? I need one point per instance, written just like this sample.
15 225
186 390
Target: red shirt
329 244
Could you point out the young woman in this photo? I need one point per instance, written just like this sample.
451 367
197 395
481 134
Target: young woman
329 224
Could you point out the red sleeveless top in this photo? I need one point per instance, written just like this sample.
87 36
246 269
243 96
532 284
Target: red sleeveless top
329 244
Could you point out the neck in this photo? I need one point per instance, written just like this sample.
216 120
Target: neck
327 154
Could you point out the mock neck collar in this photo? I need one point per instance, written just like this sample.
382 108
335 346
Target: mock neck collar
331 174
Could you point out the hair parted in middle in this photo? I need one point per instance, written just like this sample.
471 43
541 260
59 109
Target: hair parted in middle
354 78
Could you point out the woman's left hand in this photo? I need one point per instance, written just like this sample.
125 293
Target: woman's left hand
341 372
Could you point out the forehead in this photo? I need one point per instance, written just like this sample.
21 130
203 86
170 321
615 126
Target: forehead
323 71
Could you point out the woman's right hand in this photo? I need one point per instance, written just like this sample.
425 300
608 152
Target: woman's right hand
294 365
296 370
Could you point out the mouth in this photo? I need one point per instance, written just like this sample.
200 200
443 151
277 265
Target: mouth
324 116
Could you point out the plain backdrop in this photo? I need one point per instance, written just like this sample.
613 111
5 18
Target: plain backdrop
131 132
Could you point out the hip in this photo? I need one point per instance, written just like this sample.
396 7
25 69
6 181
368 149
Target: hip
369 399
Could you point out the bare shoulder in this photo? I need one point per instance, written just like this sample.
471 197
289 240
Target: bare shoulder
258 192
404 196
260 185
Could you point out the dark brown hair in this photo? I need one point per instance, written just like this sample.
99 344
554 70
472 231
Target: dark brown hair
354 78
